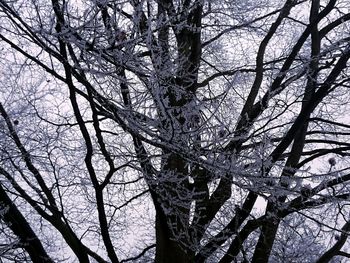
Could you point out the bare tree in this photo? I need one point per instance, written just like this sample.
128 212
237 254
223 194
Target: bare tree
174 130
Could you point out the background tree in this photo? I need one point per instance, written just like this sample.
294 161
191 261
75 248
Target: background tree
174 131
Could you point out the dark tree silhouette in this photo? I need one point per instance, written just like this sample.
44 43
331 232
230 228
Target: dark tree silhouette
174 130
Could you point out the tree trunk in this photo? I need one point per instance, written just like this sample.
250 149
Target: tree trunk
168 249
265 242
21 228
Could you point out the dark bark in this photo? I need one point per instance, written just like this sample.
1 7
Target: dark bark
168 34
269 230
21 228
169 249
335 249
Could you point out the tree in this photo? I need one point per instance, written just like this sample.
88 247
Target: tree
174 131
